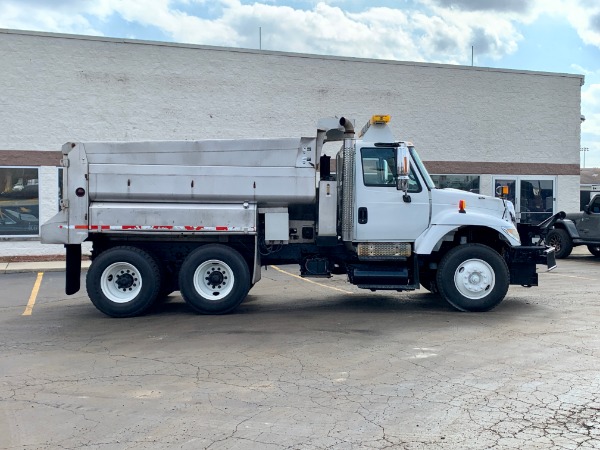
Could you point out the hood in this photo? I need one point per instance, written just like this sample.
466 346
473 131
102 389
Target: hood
575 216
449 198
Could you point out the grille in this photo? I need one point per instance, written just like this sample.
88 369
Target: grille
384 249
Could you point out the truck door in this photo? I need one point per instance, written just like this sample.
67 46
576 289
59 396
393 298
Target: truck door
589 227
380 212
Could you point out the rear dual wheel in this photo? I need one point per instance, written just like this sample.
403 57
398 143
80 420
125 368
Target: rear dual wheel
123 281
214 279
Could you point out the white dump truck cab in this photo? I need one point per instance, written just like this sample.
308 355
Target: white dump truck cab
202 217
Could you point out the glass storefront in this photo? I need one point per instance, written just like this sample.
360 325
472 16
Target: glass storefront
468 183
19 201
533 196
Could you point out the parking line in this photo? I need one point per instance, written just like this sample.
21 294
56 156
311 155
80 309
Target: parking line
311 281
34 293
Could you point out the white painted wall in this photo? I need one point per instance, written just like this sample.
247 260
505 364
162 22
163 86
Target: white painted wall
58 88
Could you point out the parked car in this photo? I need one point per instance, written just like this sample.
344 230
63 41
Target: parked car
582 228
14 222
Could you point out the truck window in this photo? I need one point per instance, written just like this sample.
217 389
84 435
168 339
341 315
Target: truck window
595 206
379 169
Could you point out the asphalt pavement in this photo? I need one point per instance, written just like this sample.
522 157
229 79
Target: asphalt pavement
303 364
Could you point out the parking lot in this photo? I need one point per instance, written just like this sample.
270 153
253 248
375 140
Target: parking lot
304 364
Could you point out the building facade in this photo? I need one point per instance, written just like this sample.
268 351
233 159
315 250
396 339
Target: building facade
475 128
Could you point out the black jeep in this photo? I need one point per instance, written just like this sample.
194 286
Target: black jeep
582 228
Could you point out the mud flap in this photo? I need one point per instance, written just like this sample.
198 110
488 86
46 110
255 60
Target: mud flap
73 272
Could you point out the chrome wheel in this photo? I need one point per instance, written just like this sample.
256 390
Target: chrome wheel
474 278
213 279
121 282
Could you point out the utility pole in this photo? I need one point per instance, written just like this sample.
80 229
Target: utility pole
584 150
260 38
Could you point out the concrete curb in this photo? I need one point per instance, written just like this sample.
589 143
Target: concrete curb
39 266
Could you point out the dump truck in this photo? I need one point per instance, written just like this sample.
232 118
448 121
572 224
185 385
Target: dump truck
203 217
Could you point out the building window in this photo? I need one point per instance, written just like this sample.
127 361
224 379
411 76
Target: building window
19 201
468 183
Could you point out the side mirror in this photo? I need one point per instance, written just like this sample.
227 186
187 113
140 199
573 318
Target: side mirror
586 209
402 167
501 191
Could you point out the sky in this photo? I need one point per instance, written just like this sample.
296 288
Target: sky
541 35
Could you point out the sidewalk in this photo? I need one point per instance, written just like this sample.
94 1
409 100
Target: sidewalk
37 266
33 256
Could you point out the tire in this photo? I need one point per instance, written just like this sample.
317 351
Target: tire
473 277
123 281
214 279
561 241
594 250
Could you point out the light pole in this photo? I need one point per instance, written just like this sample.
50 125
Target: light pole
584 150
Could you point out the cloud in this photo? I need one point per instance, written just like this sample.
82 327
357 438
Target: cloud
438 35
486 5
590 96
595 23
583 15
61 16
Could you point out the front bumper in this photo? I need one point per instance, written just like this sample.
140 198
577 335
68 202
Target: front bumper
522 262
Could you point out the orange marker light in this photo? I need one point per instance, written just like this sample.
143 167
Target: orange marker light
461 206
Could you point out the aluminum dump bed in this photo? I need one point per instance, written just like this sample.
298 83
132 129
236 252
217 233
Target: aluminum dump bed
269 172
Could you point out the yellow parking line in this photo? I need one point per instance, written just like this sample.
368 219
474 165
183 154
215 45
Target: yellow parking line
34 293
311 281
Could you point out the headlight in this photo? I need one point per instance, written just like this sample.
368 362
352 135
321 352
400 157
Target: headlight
513 233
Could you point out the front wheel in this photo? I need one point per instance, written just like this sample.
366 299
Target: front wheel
473 277
214 279
594 250
123 281
561 241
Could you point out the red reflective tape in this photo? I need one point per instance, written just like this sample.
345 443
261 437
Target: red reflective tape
158 227
92 227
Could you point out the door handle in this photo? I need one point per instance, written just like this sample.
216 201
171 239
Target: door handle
363 215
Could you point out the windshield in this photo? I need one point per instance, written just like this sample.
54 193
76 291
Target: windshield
417 159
